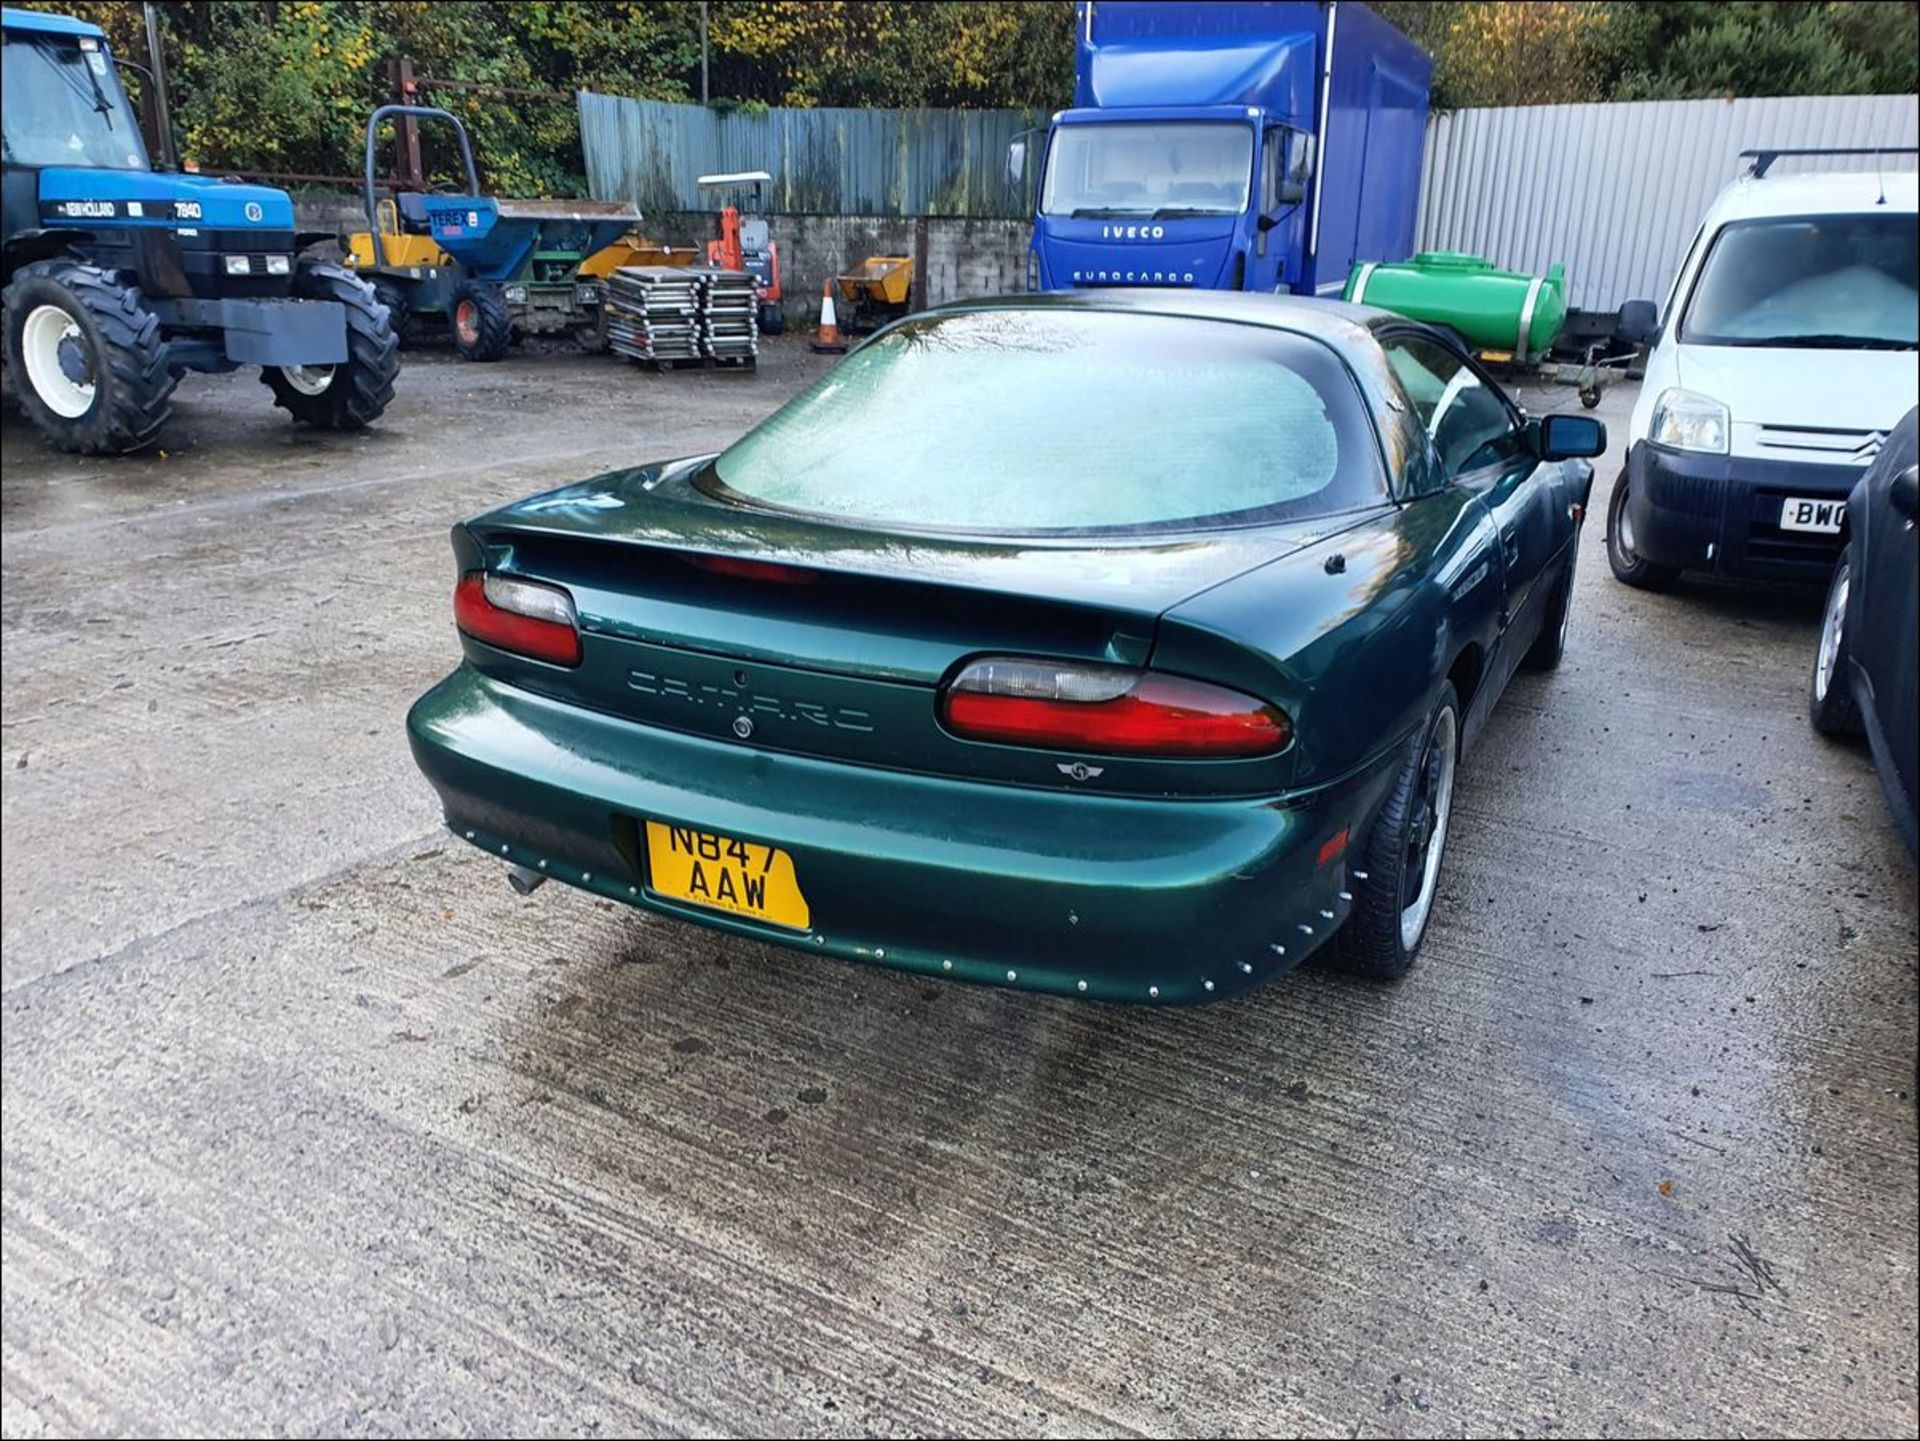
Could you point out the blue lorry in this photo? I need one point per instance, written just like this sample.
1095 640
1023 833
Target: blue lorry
119 278
1226 146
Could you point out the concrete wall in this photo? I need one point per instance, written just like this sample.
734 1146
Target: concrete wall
964 257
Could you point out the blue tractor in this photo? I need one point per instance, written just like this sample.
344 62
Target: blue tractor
119 279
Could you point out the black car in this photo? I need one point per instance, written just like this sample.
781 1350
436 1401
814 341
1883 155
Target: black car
1864 671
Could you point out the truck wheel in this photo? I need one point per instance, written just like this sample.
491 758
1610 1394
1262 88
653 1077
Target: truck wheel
399 309
89 362
1830 703
351 395
1401 857
1626 562
482 326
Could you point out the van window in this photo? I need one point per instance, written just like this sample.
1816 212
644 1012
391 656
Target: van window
1829 282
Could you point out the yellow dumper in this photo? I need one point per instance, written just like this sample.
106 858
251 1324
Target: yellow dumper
876 291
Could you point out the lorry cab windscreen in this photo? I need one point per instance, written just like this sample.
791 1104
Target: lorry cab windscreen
1148 169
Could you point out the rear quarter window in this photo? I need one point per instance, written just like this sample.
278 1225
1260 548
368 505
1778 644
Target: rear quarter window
1060 421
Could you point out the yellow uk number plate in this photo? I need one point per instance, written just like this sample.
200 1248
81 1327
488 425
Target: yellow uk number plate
724 874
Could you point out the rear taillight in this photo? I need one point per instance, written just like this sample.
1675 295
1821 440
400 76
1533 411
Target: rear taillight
1111 710
521 616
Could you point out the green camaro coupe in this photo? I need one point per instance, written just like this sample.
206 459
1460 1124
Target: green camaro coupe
1117 644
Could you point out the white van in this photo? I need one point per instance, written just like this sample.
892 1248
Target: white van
1785 354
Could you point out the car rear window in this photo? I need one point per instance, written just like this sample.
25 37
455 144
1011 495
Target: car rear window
1055 420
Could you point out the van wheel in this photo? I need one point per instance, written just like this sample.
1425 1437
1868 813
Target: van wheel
88 359
1402 855
1623 559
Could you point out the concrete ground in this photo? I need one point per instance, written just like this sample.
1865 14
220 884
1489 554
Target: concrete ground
311 1125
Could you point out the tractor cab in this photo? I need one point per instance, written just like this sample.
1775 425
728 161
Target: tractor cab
746 242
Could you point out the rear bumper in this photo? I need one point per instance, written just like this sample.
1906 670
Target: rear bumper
1112 898
1720 515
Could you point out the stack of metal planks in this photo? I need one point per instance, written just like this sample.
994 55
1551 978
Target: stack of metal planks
653 313
729 317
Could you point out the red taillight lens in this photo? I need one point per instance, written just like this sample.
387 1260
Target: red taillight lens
522 616
1111 710
753 570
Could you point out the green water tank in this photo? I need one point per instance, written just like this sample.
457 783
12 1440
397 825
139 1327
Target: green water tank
1494 310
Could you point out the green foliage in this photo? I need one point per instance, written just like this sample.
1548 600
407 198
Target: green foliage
895 52
1684 49
286 85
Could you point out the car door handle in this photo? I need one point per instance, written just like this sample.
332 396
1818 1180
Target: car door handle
1510 543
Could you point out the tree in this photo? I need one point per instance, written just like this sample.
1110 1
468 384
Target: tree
1686 49
895 52
1526 52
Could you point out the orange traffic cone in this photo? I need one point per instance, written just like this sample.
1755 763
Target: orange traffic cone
828 341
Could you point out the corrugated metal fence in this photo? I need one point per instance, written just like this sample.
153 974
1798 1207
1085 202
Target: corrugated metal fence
1616 191
823 162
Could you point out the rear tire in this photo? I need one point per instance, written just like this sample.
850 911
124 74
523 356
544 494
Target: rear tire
482 325
353 394
88 360
1627 564
1402 855
1830 703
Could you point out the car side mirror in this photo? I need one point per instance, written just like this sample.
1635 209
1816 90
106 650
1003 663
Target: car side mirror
1569 437
1016 162
1638 323
1905 491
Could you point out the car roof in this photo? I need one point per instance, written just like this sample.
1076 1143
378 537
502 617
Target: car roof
1333 321
1833 193
12 19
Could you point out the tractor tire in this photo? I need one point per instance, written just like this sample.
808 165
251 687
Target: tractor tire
393 295
482 325
351 395
88 360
